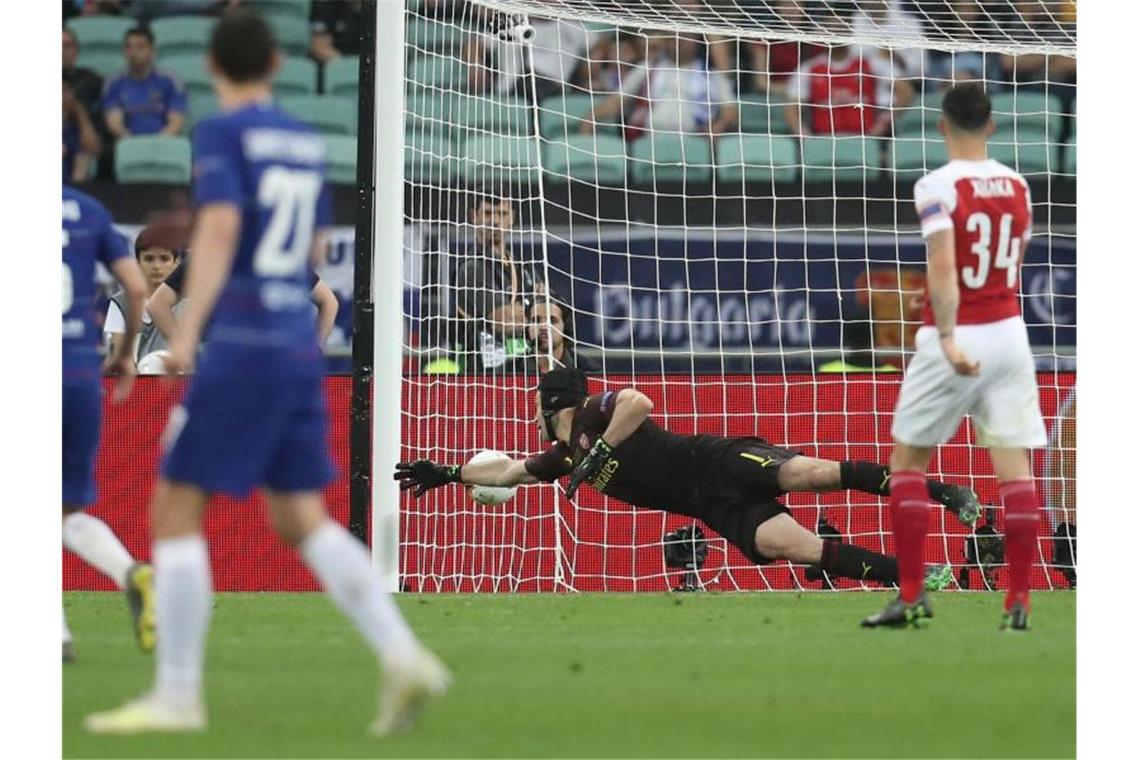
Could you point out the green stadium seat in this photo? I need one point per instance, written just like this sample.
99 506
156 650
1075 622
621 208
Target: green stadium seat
342 76
424 35
182 35
507 116
428 159
101 34
761 115
103 63
920 118
299 9
840 159
200 105
191 70
1023 115
436 71
341 159
429 111
1069 158
560 116
665 157
293 34
297 76
327 114
909 158
1026 158
493 160
598 159
756 158
153 158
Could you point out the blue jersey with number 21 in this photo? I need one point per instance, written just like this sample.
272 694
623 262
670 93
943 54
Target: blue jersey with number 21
272 167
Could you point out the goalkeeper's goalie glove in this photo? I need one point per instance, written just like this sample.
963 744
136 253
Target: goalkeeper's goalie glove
590 465
424 475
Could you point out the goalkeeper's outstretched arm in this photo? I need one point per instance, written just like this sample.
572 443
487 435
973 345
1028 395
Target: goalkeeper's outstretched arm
424 475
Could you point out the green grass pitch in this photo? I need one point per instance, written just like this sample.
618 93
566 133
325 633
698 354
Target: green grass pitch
609 675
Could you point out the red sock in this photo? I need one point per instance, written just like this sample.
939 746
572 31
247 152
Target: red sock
1019 497
910 519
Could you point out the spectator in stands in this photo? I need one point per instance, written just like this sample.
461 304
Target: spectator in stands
1040 21
774 62
611 59
844 92
958 20
336 30
81 144
496 64
144 100
158 250
493 291
551 334
887 17
677 91
85 83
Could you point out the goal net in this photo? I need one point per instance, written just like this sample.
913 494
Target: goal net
710 201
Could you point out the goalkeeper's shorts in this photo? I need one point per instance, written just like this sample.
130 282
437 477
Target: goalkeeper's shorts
1002 399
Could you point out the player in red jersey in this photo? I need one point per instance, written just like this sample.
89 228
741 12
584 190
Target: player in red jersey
972 354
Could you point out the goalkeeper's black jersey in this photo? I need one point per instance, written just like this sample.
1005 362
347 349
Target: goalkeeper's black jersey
653 468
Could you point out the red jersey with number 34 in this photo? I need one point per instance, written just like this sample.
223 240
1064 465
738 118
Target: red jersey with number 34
987 205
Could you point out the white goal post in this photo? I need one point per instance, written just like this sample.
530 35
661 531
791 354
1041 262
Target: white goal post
709 200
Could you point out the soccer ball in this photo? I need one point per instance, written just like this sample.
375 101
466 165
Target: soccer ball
152 363
490 495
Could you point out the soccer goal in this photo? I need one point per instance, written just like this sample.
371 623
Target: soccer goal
710 201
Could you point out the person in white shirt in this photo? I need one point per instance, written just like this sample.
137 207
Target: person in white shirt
676 91
158 250
886 18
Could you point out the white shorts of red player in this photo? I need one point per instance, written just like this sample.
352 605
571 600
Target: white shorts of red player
1002 400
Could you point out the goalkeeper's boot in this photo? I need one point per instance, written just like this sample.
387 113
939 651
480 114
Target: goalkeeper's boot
963 502
898 613
407 688
149 713
938 577
1016 615
140 599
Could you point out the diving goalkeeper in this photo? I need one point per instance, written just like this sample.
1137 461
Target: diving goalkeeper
733 485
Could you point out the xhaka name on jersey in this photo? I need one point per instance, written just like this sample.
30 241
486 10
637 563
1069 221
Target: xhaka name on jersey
993 187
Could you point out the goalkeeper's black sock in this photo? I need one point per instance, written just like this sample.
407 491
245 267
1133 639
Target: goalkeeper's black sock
850 561
872 478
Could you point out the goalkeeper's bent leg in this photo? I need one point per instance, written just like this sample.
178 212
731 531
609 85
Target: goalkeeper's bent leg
850 561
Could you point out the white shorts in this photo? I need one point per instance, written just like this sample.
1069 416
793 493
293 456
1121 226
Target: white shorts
1002 399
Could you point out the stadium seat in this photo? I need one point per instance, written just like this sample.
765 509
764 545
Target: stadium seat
293 34
437 71
1069 158
756 158
506 116
327 114
182 35
494 160
423 35
597 159
341 159
297 76
664 157
200 105
560 116
428 159
910 158
840 159
190 70
342 76
429 111
759 115
920 118
1024 115
105 64
1027 158
299 9
153 158
101 34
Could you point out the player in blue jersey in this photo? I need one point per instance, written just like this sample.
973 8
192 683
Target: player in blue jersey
88 239
255 413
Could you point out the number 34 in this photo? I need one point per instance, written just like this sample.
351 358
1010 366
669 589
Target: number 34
1005 257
